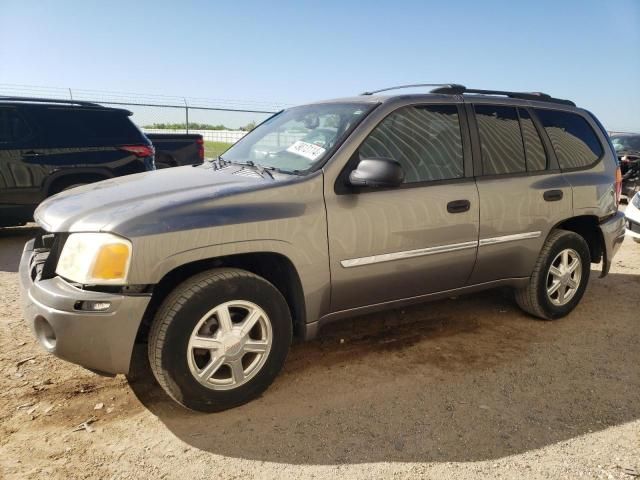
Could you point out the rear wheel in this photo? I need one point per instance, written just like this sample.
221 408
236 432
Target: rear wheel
559 278
219 339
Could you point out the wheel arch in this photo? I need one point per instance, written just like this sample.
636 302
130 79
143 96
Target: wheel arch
56 182
588 227
274 267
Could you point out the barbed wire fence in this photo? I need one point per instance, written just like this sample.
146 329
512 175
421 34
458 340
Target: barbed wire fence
221 122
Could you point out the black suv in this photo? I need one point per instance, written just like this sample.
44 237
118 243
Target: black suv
47 146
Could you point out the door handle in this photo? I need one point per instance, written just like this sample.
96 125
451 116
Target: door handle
458 206
552 195
31 154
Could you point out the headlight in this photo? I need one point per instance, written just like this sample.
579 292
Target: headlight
636 200
95 258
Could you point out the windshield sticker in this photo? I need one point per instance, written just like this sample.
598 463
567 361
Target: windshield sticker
306 150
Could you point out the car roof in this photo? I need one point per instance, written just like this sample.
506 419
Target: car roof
443 98
35 102
456 92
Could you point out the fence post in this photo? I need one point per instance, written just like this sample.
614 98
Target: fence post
70 94
186 109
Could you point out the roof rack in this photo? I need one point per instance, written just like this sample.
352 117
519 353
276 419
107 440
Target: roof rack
536 96
81 103
440 85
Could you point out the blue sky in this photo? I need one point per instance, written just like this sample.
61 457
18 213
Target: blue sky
292 52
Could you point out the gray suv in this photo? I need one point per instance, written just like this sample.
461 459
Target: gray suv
322 212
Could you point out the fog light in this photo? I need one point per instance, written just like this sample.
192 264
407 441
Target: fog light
93 306
45 333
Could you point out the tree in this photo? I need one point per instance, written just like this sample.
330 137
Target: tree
249 126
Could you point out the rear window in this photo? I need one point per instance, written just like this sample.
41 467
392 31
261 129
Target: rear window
574 141
500 139
86 127
533 148
12 126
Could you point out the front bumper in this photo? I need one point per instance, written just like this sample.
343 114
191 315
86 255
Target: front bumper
100 341
612 231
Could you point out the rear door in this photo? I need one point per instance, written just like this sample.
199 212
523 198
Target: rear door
418 238
522 192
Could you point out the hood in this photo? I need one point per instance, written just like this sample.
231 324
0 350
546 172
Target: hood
127 204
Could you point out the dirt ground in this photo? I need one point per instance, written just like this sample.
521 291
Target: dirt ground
462 388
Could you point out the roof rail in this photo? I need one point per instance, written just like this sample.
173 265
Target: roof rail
81 103
537 96
440 85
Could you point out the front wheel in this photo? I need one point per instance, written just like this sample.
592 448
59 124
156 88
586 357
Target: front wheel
559 277
219 339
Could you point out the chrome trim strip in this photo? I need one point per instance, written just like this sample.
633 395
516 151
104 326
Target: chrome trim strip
509 238
420 252
388 257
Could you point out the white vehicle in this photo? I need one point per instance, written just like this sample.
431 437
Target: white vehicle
632 217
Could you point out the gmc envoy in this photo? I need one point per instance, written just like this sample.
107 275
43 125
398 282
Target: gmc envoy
322 212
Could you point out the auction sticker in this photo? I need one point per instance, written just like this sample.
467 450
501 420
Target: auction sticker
306 150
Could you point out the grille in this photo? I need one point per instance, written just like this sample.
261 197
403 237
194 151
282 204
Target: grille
46 252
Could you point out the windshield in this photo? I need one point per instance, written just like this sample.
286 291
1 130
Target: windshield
626 142
299 138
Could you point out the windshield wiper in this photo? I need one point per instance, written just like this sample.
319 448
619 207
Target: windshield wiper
261 169
220 162
250 163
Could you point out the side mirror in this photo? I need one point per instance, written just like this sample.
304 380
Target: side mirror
377 172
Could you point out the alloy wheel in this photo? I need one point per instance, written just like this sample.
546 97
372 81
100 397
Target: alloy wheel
229 345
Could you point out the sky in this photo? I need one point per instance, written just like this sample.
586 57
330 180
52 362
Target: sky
295 52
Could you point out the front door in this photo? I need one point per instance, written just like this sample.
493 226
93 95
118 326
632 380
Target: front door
418 238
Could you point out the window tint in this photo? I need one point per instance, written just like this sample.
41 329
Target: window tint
574 141
534 151
86 127
425 140
12 126
500 138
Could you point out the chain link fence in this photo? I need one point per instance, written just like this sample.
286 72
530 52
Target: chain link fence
221 122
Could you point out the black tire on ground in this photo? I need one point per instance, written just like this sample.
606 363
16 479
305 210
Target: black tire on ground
533 298
185 307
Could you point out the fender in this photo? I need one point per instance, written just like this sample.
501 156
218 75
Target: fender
74 172
314 275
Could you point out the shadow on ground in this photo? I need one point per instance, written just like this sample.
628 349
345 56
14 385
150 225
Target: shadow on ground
456 380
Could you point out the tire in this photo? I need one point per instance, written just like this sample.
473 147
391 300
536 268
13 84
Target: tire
534 298
195 311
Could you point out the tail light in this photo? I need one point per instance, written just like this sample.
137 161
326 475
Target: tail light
200 143
139 151
618 185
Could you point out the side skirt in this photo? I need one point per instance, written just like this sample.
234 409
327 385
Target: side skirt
313 328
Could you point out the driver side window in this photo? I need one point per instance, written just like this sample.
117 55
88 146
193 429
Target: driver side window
424 139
